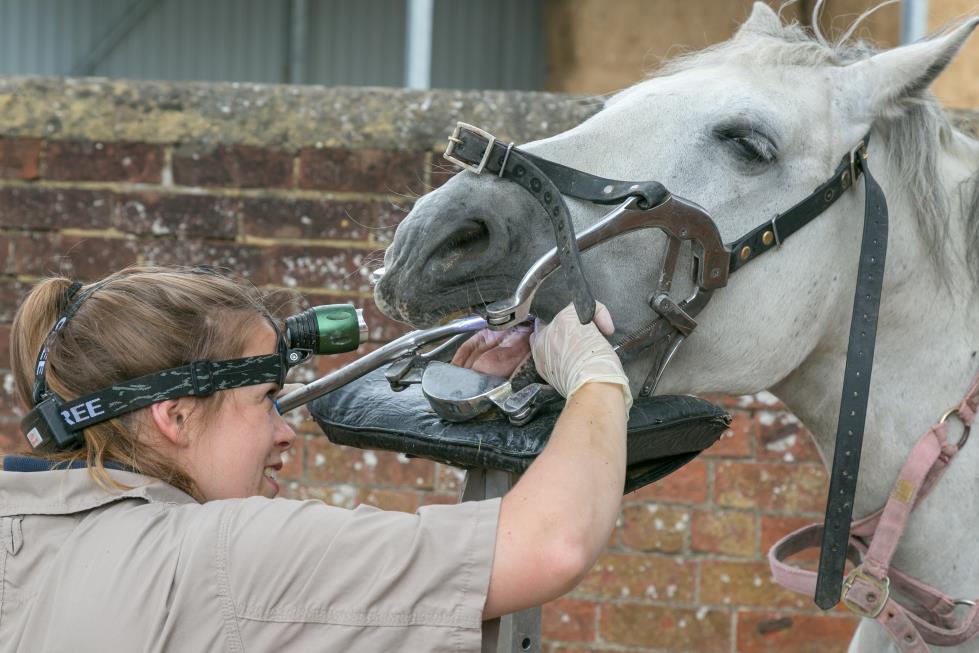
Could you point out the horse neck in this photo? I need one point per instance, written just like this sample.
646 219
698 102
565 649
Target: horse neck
927 338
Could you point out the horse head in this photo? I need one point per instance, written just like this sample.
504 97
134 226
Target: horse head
745 129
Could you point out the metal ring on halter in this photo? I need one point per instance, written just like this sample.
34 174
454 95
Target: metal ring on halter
967 602
965 433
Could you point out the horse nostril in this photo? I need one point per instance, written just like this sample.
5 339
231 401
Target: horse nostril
468 241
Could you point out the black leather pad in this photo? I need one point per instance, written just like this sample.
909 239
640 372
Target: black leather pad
665 432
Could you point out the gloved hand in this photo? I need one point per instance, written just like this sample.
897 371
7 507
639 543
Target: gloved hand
569 354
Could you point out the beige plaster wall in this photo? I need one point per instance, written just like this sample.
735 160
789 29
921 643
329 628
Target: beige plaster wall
598 46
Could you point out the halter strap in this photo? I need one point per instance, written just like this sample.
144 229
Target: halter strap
867 590
547 181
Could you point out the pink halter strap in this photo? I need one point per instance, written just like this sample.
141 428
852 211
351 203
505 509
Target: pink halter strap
866 590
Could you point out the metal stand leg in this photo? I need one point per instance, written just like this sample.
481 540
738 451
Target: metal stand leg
512 633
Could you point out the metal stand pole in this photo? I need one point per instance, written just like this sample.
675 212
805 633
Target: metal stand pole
512 633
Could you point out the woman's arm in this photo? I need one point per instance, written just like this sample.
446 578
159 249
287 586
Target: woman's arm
556 520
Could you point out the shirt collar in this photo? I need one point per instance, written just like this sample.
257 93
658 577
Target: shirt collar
68 491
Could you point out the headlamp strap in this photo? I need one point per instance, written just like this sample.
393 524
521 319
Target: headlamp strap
197 379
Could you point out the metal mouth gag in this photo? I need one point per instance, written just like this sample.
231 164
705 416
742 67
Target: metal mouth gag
548 182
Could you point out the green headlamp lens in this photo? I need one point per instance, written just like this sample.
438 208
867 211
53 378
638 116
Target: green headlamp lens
328 329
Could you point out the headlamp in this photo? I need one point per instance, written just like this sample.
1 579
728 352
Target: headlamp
57 424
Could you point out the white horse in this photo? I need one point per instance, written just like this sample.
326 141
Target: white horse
746 129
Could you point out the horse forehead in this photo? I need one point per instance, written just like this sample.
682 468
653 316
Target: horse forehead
776 91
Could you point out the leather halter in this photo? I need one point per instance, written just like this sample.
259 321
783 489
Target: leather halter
479 151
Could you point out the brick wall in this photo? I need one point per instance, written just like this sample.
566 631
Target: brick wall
300 188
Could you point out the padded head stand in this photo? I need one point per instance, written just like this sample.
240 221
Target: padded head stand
665 432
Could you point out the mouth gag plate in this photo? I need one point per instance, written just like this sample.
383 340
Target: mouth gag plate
664 433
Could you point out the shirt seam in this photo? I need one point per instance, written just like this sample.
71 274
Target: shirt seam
340 617
3 572
221 555
470 561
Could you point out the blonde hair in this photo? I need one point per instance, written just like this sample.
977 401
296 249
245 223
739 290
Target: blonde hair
139 321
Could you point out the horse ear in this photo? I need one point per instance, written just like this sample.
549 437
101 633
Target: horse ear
763 20
906 72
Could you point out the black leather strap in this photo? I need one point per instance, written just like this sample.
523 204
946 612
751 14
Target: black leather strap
774 232
548 182
856 389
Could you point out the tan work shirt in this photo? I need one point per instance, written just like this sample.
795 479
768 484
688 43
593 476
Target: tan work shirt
150 569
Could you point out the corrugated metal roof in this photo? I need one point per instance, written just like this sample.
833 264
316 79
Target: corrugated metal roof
477 43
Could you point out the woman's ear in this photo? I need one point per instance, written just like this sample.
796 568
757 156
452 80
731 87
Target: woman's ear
170 418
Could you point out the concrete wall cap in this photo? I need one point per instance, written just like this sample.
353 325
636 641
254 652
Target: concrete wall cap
280 116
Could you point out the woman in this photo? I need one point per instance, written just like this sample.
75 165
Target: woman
155 530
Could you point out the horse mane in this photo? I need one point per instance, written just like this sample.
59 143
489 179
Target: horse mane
915 127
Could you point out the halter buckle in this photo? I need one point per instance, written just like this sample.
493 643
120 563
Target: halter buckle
883 588
454 141
857 153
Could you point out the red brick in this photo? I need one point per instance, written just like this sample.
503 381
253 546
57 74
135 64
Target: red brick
770 486
728 532
238 166
174 214
736 441
98 161
286 217
782 437
558 647
686 485
294 461
249 261
437 498
636 576
743 583
652 527
12 292
442 171
449 479
331 463
773 632
774 528
382 328
4 346
329 268
666 628
83 258
342 496
569 620
400 500
19 158
369 171
53 208
388 216
11 439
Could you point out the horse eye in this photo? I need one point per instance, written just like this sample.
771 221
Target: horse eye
749 144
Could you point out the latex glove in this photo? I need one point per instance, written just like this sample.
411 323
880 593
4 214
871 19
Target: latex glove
569 354
495 352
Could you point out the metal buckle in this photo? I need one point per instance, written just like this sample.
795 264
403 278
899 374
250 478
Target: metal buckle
860 150
455 140
883 588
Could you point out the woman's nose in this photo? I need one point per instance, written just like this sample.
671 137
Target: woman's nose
285 435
